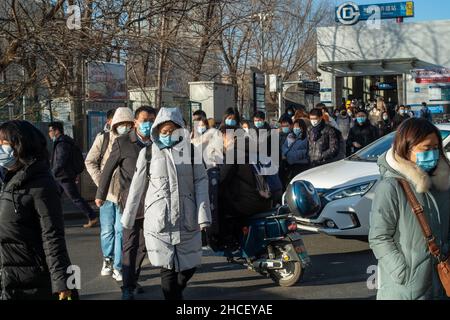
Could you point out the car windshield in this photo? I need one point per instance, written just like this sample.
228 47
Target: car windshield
377 148
445 134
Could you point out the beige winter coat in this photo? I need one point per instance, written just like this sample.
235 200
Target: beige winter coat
92 165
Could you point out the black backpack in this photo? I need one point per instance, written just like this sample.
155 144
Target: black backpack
76 157
78 165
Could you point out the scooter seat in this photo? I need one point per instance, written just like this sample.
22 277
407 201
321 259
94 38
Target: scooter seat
272 212
264 215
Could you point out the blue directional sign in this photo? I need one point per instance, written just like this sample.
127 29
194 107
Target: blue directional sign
350 13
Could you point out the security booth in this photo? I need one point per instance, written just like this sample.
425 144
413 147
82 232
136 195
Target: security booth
212 97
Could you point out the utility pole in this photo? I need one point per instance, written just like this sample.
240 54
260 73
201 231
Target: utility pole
261 25
276 86
262 17
280 101
11 110
50 109
24 97
24 107
77 110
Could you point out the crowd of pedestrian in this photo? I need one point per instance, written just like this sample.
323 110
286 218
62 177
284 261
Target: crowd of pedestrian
151 204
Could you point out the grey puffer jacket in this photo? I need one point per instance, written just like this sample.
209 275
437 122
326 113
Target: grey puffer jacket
176 202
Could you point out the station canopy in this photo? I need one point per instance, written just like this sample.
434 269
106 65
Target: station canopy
373 67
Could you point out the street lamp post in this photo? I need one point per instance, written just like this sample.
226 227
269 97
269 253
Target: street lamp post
262 17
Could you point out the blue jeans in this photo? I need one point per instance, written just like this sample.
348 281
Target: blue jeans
111 233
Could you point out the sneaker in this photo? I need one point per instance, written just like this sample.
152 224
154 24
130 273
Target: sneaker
127 294
107 268
117 275
91 224
139 289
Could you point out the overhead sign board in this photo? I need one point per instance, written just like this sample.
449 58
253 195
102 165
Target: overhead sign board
310 86
259 91
106 81
350 13
431 75
326 95
384 86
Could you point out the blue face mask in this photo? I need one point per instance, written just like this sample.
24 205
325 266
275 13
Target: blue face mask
361 120
290 113
145 127
285 130
297 131
230 122
166 140
259 124
428 160
7 159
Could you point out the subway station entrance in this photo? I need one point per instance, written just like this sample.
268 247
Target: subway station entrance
367 88
369 79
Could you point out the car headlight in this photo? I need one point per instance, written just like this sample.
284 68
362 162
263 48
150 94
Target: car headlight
350 191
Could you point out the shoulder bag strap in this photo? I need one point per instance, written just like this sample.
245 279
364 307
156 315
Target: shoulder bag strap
420 214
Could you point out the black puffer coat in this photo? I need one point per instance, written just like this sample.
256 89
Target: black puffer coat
363 134
61 158
33 253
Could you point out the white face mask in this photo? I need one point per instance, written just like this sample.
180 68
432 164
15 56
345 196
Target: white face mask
245 129
201 130
121 130
315 123
385 117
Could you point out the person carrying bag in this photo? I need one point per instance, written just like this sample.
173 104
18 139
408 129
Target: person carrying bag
443 266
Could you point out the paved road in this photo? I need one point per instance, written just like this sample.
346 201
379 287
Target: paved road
339 271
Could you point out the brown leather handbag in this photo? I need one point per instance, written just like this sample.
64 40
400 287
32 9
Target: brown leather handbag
443 266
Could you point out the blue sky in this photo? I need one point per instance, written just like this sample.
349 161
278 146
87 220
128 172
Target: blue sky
424 9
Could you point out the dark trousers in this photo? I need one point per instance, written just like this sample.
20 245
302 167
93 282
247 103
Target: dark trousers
133 253
173 283
71 190
289 171
214 179
295 169
283 173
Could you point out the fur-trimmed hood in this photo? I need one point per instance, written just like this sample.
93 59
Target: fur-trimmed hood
394 166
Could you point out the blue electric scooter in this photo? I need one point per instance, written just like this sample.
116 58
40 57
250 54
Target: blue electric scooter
270 243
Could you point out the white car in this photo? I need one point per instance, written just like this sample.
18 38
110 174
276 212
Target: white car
346 189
